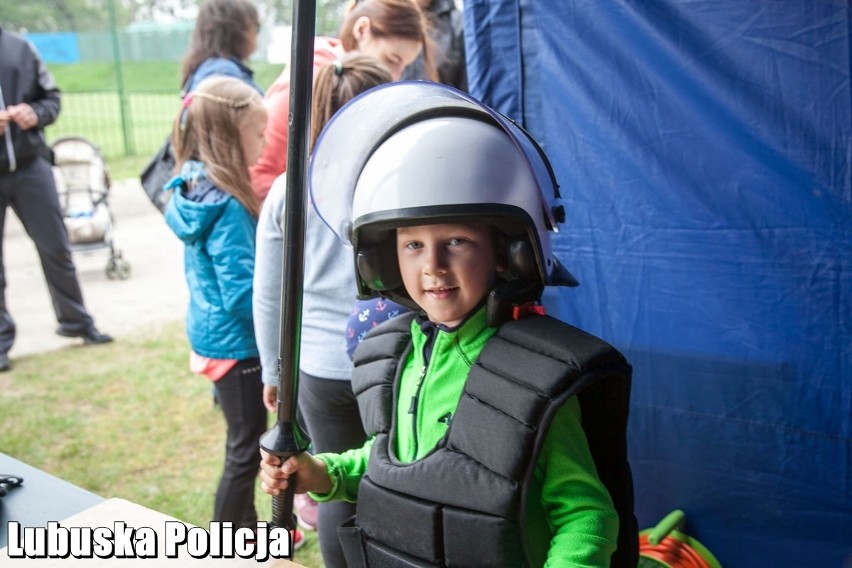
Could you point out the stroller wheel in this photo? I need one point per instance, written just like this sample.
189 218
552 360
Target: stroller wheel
118 268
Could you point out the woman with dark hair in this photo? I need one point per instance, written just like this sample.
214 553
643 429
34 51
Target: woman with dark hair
224 37
393 31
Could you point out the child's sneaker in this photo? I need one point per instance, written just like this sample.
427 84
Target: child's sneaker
306 511
298 539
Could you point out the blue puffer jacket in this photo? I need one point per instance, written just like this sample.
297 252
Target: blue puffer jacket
219 238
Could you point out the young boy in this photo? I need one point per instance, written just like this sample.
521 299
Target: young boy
497 433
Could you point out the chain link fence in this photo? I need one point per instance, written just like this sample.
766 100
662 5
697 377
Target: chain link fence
111 94
136 125
121 87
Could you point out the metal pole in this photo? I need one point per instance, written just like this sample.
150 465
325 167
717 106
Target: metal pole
286 437
122 96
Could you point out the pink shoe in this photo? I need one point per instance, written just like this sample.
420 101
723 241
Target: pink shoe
306 511
298 539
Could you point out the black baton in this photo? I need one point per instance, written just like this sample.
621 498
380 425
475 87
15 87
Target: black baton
286 438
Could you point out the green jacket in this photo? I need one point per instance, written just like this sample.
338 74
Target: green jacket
577 509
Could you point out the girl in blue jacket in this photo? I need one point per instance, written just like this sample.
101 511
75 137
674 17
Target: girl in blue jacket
213 211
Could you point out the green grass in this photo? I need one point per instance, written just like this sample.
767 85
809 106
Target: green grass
139 76
123 167
91 104
124 420
97 117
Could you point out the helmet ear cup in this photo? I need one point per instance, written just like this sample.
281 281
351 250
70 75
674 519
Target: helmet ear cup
378 268
521 259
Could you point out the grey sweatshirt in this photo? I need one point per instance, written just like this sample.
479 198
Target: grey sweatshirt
329 293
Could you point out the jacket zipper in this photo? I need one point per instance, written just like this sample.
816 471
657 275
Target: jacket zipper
413 408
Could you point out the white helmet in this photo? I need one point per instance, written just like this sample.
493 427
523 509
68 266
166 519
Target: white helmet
413 153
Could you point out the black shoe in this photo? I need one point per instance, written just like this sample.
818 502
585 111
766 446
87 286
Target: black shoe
5 364
90 336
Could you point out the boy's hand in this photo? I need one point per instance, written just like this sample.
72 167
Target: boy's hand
311 473
4 120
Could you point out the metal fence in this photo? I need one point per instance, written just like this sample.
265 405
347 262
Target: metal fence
123 121
127 120
137 128
133 122
120 122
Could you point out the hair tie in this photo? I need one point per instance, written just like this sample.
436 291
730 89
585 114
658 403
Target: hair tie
338 67
187 100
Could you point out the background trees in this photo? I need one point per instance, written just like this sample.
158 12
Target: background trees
93 15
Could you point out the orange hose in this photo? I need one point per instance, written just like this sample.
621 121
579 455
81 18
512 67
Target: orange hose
672 552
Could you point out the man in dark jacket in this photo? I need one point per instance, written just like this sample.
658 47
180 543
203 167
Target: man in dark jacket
447 34
29 101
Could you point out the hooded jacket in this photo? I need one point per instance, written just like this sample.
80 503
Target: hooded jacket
219 238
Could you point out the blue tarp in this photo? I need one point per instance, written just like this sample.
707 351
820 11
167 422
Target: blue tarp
56 47
703 148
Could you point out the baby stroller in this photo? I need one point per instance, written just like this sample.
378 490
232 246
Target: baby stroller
82 182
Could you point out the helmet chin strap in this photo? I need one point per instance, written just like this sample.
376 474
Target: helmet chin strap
505 297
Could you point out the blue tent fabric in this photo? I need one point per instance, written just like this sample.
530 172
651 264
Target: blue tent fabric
703 150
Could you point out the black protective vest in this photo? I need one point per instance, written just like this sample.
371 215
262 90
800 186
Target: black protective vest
465 503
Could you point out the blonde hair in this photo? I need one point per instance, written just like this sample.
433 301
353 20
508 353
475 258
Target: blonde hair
338 82
208 130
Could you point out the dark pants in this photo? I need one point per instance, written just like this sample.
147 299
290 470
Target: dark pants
330 412
31 192
240 394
